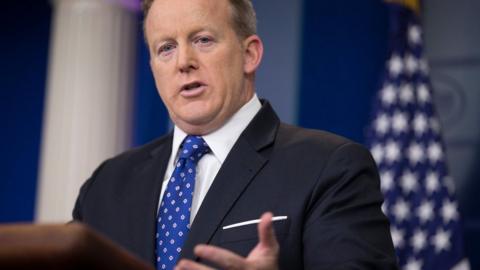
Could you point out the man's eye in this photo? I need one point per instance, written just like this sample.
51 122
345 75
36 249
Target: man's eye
166 48
204 41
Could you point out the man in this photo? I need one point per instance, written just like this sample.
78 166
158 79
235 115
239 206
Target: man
230 161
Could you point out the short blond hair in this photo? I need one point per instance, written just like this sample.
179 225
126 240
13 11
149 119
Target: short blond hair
244 20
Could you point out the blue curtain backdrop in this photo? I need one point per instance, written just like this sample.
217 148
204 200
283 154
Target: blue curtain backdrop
24 39
344 50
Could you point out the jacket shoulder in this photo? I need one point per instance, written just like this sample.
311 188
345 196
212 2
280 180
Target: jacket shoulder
142 152
316 140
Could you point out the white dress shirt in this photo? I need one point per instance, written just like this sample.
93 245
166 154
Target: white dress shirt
220 142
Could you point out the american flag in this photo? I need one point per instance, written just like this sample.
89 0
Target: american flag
405 140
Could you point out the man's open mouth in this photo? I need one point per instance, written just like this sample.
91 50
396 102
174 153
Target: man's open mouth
192 86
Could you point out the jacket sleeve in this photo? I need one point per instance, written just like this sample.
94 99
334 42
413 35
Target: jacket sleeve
345 227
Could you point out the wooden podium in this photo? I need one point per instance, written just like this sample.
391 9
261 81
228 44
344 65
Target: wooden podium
57 247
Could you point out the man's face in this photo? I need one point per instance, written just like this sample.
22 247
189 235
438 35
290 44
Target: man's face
198 62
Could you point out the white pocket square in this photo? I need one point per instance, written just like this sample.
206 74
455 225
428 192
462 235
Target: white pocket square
253 221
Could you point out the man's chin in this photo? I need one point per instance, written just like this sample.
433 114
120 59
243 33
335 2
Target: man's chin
197 125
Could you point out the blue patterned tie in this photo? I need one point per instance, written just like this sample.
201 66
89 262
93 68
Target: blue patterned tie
173 222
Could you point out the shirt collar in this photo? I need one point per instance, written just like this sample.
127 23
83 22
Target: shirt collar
222 140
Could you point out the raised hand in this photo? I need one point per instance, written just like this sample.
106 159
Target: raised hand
263 257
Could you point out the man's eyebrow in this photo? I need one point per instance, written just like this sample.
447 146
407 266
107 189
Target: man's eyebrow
203 29
168 37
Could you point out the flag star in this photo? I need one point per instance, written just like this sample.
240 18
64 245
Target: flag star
415 153
386 180
406 93
401 210
435 152
397 237
420 123
449 211
411 64
388 94
418 240
413 264
399 122
414 34
382 124
408 182
423 93
392 151
432 182
377 153
425 211
441 240
395 65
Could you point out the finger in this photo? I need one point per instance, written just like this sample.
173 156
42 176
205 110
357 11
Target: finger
223 258
266 233
185 264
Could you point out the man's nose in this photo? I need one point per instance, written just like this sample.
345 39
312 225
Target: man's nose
186 59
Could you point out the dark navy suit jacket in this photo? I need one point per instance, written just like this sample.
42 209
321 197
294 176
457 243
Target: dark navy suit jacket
327 186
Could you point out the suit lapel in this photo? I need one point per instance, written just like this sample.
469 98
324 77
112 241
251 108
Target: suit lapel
244 161
144 193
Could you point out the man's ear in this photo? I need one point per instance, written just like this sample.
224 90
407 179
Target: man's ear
253 52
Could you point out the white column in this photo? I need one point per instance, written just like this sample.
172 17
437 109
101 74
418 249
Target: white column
89 98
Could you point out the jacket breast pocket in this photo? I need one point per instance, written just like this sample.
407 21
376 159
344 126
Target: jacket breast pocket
249 232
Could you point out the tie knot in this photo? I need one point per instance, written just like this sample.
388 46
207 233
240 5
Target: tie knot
193 148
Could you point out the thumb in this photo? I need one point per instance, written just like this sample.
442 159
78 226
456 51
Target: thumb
265 253
266 233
